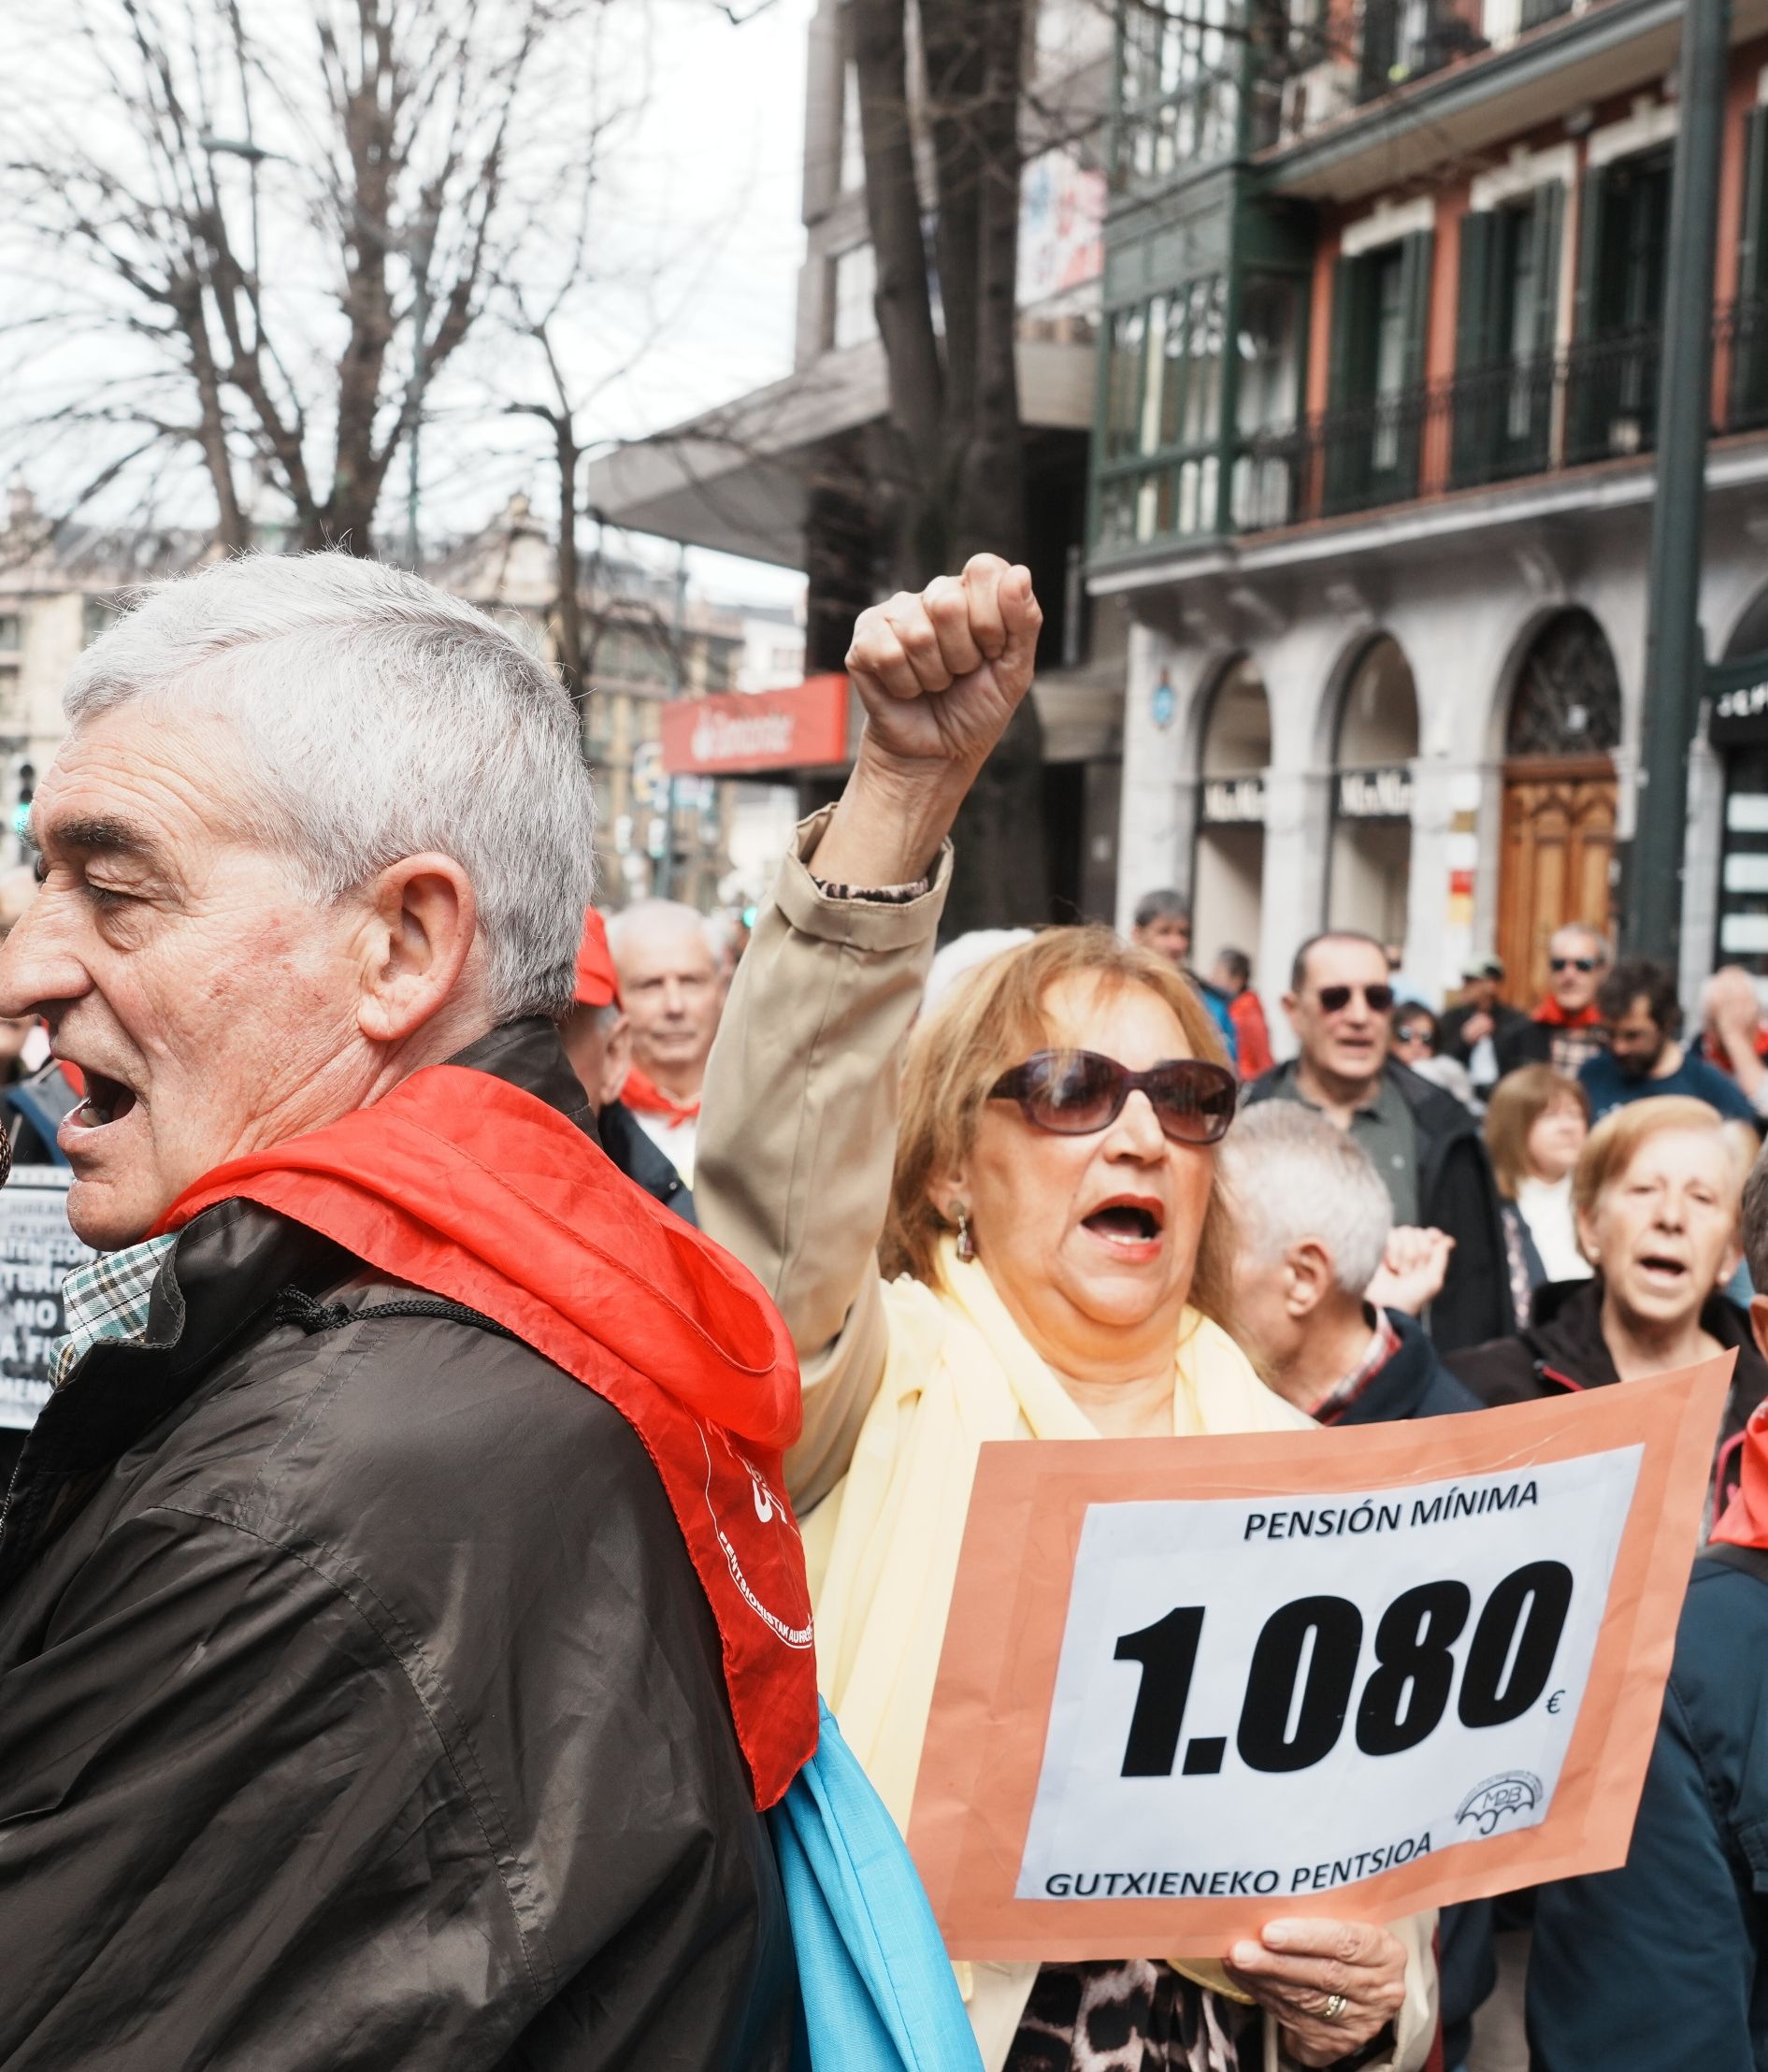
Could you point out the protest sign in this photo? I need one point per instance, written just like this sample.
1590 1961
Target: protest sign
36 1250
1189 1684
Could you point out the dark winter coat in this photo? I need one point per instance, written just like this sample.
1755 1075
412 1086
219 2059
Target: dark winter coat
1456 1194
1564 1351
1414 1383
1659 1967
1507 1026
642 1161
359 1703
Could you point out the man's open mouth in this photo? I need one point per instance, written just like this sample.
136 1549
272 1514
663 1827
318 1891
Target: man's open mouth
1127 1222
107 1100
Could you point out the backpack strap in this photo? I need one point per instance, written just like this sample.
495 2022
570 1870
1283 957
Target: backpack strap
1753 1560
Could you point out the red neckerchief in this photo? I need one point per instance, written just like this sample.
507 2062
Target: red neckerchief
1556 1016
465 1186
644 1097
1745 1523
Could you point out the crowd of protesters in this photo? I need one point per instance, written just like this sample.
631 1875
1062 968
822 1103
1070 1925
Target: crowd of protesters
366 1697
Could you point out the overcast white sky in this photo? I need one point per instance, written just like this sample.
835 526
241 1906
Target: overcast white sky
715 174
694 259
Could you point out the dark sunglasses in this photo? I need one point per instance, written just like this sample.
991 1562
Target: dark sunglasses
1075 1093
1336 998
1571 964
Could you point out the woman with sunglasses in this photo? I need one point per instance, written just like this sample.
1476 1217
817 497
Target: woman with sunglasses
1035 1178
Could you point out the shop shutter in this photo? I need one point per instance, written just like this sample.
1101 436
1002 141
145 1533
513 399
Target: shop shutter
1415 300
1475 420
1749 363
1549 216
1585 388
1343 442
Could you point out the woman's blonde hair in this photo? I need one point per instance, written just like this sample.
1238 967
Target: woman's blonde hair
992 1019
1519 1102
1616 1141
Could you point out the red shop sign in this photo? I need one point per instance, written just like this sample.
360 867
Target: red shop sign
804 728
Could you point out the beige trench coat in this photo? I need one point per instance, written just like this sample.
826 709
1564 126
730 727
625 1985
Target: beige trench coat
796 1144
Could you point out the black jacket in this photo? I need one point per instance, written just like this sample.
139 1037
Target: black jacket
1659 1967
359 1705
1563 1350
1507 1025
1456 1194
641 1160
1413 1384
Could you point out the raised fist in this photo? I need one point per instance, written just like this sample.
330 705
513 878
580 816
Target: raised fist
940 674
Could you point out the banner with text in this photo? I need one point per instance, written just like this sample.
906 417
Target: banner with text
1188 1685
36 1251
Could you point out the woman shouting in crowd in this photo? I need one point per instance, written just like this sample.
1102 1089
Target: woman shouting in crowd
1053 1245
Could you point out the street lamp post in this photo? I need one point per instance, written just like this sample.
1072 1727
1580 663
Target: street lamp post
1676 648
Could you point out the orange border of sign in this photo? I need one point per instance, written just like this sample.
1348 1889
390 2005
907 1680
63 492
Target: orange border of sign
997 1676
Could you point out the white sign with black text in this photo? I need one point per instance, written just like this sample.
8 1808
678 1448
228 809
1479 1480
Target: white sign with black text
37 1250
1277 1697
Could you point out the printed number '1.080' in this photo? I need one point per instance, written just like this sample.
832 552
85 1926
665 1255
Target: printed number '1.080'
1314 1643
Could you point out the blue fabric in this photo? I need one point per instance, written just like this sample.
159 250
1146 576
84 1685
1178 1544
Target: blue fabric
1663 1966
878 1991
1215 1003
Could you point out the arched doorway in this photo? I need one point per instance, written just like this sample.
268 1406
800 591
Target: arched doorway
1368 876
1227 883
1740 738
1559 793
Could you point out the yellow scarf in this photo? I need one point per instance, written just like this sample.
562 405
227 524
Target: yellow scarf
883 1545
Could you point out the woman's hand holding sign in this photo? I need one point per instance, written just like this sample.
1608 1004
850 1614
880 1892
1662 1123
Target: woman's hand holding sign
1334 1985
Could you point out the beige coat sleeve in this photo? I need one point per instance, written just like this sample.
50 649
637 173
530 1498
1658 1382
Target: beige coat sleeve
798 1129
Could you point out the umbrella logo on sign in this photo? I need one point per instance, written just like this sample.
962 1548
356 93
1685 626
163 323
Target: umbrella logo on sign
1514 1792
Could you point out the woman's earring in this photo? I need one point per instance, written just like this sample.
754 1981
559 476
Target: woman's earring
966 1244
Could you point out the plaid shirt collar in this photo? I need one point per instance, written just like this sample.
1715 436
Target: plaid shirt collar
1383 1345
106 1299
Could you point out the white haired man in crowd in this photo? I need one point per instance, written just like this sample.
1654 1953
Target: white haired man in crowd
670 958
1733 1037
375 1684
1325 1287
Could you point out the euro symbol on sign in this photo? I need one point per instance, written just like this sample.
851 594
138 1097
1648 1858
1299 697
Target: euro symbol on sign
1552 1703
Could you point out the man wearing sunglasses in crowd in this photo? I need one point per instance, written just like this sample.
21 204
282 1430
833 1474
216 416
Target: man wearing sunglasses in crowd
1567 1029
1423 1141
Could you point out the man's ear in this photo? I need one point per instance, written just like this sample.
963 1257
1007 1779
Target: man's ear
616 1060
1309 1278
421 926
1291 1002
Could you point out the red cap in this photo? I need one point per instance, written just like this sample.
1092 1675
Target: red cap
596 984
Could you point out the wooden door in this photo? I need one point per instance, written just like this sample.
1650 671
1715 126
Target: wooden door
1559 841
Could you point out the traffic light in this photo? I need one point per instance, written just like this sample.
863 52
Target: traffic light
27 790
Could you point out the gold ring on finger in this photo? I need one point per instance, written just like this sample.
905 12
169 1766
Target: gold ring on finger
1334 2008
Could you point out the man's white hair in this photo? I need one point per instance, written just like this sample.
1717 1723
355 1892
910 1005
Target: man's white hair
645 918
378 718
1581 931
1294 1176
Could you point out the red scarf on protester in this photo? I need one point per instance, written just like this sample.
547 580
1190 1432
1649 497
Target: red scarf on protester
463 1185
644 1097
1556 1016
1745 1520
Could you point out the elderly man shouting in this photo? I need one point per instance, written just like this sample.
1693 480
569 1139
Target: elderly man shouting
399 1625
